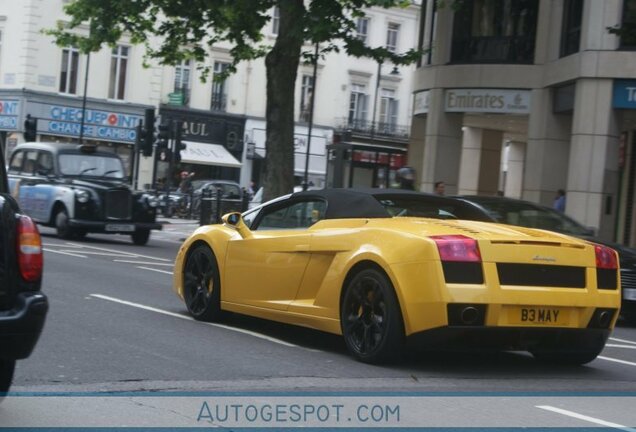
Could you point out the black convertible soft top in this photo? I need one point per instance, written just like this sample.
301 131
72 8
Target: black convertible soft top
366 202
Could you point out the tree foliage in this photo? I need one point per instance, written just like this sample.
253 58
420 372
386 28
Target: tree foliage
175 30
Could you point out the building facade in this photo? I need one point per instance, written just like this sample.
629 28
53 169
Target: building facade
101 98
526 97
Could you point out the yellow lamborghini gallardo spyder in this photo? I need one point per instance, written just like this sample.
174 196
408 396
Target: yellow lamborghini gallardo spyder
382 267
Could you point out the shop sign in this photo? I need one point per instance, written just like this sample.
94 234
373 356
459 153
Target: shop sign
487 101
421 102
9 110
100 125
624 94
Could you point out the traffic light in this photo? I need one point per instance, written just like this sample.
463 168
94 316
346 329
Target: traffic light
163 135
30 128
147 132
178 145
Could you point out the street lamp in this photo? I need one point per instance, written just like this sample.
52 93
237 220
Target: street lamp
377 91
311 117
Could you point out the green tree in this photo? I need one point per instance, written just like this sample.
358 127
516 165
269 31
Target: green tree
174 30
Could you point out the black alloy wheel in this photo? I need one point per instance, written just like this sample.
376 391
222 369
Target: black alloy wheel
140 237
64 231
6 374
202 285
370 318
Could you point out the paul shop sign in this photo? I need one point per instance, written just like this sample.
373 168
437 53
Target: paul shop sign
496 101
9 110
98 124
624 94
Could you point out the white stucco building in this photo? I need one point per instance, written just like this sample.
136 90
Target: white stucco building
224 123
542 82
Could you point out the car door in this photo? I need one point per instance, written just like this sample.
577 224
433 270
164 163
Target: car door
266 270
35 194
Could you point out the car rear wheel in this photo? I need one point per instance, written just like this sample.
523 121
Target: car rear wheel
202 285
6 374
370 318
64 231
140 237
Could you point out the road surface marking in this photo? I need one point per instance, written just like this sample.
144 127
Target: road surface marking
176 315
92 252
621 346
585 418
154 270
143 262
622 340
617 360
60 245
129 254
65 253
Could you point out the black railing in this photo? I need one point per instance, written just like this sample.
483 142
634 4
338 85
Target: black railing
380 129
494 49
219 102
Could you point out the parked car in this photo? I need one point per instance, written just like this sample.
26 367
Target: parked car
381 266
78 190
523 213
23 307
231 194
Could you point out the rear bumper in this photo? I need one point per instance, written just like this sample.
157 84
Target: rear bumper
20 327
101 226
509 338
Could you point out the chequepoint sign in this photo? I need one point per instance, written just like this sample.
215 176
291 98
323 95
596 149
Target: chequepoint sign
487 101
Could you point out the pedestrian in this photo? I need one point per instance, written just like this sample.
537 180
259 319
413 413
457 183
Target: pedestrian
406 178
559 201
185 187
440 188
251 190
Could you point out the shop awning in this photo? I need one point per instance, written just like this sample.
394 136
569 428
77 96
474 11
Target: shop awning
208 154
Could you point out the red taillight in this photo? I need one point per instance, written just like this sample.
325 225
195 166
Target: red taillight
606 258
457 248
29 250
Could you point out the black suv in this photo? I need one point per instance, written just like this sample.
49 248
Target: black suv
22 306
78 189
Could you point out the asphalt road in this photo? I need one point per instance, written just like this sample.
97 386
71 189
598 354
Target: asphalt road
115 325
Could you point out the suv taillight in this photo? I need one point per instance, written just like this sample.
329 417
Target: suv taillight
457 248
605 257
29 247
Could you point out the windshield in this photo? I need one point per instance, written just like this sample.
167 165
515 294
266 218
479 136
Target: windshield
404 206
90 165
532 216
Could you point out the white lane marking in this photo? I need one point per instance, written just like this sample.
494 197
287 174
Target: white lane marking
621 346
585 418
176 315
128 254
617 360
622 340
61 245
143 262
91 252
64 253
154 270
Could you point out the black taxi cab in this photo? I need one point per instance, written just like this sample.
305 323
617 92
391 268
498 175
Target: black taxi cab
79 189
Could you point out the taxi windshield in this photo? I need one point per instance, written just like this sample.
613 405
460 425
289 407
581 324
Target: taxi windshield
90 165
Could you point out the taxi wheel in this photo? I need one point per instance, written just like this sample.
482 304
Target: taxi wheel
140 237
64 231
370 318
6 374
202 285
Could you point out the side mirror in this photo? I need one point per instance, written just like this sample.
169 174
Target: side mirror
235 220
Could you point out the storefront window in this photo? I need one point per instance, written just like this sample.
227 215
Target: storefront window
495 31
571 31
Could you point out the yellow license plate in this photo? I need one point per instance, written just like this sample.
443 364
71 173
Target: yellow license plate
538 316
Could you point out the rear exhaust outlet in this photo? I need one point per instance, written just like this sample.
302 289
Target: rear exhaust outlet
470 315
604 319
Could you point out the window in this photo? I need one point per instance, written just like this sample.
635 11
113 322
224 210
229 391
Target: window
182 73
392 34
29 166
16 162
276 20
571 30
628 39
219 96
293 216
388 111
362 29
306 93
358 107
118 65
68 70
495 31
45 163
